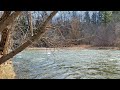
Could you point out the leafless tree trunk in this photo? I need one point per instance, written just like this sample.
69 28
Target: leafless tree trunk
3 38
30 23
7 19
6 69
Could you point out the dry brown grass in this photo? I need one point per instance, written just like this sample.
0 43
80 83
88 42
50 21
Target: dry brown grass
7 71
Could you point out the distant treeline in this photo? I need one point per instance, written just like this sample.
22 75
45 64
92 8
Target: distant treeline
67 28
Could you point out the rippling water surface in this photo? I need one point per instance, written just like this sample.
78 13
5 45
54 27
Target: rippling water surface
68 64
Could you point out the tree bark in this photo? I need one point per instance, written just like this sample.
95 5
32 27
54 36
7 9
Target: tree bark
7 43
5 16
3 38
8 19
30 23
6 69
33 38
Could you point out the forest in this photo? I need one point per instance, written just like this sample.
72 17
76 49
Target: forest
55 29
67 28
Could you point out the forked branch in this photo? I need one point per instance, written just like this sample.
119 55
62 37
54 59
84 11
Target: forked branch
33 38
8 19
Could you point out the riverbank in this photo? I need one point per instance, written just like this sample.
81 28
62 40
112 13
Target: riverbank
75 47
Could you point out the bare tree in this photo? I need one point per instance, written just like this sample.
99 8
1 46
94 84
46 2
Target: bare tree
30 23
42 30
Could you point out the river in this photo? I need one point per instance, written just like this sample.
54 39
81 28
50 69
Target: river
67 64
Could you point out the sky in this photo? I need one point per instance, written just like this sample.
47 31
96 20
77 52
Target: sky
82 12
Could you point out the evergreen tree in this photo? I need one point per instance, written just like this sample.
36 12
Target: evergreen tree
116 16
106 16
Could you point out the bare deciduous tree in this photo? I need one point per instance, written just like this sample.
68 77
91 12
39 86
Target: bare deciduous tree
30 41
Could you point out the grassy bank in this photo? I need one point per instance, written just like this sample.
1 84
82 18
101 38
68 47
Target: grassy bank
7 71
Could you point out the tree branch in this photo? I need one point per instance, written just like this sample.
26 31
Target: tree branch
42 30
9 19
4 16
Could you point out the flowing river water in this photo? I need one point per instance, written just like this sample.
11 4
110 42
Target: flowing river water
67 64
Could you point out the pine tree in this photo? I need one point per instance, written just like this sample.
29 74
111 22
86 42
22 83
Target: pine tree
106 16
116 16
